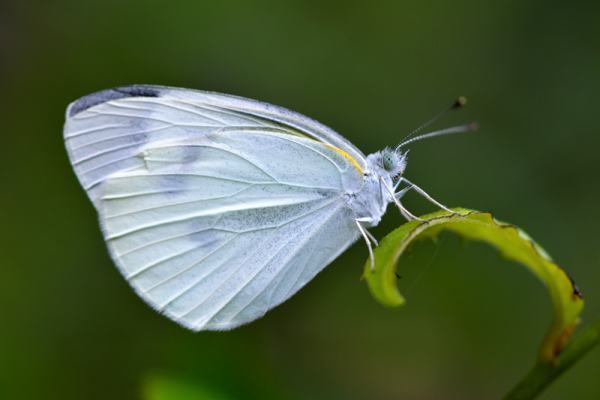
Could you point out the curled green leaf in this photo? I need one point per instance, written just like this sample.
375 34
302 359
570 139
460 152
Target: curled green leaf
513 243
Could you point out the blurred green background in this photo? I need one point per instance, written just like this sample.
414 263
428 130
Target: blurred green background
71 328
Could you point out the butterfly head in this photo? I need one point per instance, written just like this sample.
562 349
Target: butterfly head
392 161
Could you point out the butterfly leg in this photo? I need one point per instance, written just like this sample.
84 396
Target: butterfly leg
405 213
368 238
427 196
402 192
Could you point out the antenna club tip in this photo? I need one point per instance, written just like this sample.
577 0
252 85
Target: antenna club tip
473 126
460 102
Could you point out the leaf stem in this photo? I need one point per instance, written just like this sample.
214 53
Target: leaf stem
544 372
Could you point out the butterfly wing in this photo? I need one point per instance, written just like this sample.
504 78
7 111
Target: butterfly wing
104 131
214 228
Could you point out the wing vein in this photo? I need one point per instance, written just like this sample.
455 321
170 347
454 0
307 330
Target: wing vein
174 107
288 258
225 150
104 152
94 129
97 167
106 139
203 213
166 239
124 214
178 295
189 267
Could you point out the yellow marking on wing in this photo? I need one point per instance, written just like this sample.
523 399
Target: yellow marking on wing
346 156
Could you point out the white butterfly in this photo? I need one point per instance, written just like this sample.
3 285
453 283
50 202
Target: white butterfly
217 208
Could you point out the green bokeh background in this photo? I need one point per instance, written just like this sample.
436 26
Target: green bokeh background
71 328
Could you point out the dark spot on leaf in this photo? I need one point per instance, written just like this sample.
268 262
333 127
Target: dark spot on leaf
576 291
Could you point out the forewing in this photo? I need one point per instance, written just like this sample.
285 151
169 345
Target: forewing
217 229
105 131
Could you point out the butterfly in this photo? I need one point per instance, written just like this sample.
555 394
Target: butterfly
217 208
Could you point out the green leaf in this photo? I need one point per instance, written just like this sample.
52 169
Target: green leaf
512 242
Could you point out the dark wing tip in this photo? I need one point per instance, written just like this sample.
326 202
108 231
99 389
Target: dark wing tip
103 96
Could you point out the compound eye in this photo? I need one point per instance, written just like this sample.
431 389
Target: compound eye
388 162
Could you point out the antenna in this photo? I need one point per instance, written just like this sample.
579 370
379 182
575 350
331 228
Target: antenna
470 127
460 102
